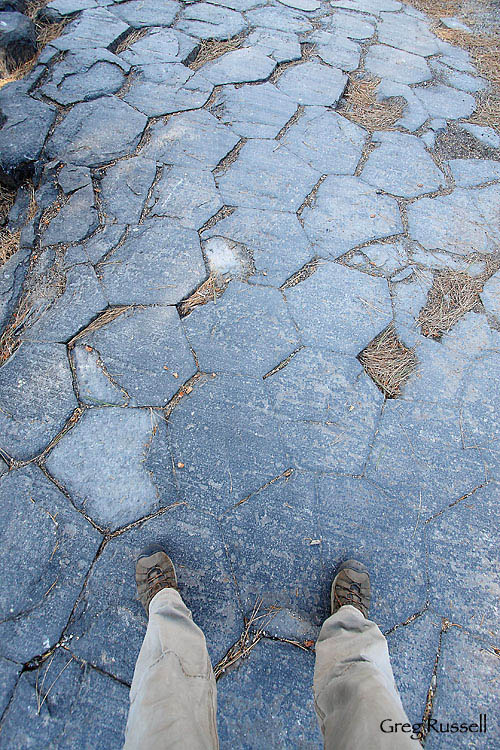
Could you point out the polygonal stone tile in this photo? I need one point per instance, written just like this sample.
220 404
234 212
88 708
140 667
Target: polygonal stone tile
267 176
160 46
94 384
397 65
227 440
485 135
412 650
93 249
84 75
480 402
334 407
107 461
348 212
358 520
336 50
408 299
490 295
313 83
280 714
471 172
138 13
239 66
457 79
125 187
418 455
207 21
247 332
57 9
162 88
53 551
76 219
306 5
410 34
8 678
72 178
414 114
186 194
351 25
159 263
400 165
241 5
36 398
443 101
109 624
387 257
80 303
12 275
145 352
467 670
280 566
96 27
190 139
433 221
253 111
280 45
278 18
367 6
97 132
64 689
463 562
326 141
339 308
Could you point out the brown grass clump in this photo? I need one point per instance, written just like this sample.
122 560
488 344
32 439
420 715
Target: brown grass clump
211 49
388 362
453 293
102 320
360 105
9 244
209 291
131 39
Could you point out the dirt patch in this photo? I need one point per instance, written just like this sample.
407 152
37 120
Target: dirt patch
209 291
388 362
359 104
453 293
211 49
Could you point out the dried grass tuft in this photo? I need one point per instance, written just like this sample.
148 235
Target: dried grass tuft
131 39
388 362
211 49
360 105
102 320
453 293
209 291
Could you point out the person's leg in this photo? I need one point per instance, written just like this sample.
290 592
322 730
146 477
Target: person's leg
354 687
173 697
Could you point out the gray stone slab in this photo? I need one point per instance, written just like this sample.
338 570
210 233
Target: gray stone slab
466 675
186 194
463 565
97 132
333 407
357 518
75 691
36 398
485 135
479 405
359 304
326 141
93 249
407 33
443 101
241 5
279 18
58 9
81 301
76 219
110 623
55 547
253 111
280 714
159 263
190 139
160 46
94 383
84 75
96 27
125 187
458 79
352 25
227 258
408 299
388 258
207 21
397 65
456 57
400 165
104 463
433 221
367 6
228 440
490 295
348 212
72 178
414 114
8 678
336 50
144 352
418 456
239 66
160 89
268 176
139 13
246 332
12 275
282 46
275 239
308 6
454 23
471 172
313 83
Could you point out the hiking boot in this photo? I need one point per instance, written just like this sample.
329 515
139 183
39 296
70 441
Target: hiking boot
154 571
351 585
